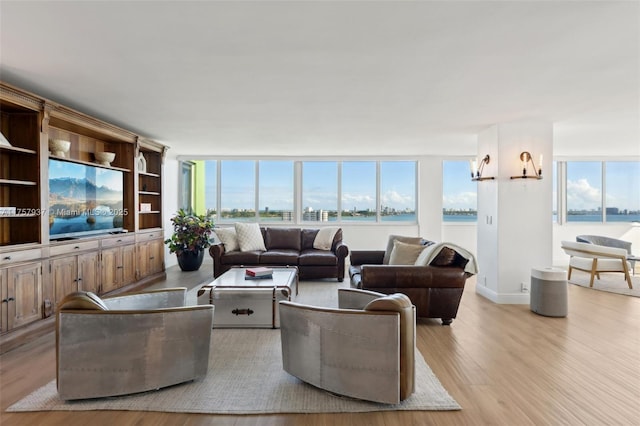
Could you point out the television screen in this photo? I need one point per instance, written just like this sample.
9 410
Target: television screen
84 199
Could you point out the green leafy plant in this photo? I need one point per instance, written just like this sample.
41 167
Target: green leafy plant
191 232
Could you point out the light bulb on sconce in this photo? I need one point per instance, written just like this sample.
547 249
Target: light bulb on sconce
525 158
476 172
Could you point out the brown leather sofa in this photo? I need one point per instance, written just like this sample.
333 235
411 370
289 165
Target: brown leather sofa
435 289
287 247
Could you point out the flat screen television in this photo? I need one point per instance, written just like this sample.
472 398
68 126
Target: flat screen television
84 200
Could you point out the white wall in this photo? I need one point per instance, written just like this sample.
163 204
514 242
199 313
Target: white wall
169 202
514 230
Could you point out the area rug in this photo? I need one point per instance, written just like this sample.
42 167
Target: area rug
611 283
246 377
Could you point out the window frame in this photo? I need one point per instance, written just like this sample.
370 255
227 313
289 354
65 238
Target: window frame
298 189
561 189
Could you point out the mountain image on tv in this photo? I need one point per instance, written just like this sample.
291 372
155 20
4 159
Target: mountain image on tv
84 199
70 197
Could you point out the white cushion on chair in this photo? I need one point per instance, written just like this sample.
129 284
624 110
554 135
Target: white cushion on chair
604 265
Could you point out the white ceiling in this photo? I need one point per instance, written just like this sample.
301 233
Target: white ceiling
335 78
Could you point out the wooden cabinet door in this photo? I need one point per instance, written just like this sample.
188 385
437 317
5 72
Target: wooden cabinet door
109 269
24 291
4 298
156 256
64 274
128 264
89 272
150 258
143 250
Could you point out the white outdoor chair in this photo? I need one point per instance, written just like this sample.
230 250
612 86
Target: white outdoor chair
595 259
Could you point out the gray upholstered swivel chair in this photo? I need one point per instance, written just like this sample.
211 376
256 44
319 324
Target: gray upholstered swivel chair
127 344
365 349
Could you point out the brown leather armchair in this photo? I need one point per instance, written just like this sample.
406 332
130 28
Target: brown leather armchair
435 289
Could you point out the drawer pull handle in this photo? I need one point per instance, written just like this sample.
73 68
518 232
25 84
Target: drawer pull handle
5 301
151 257
242 311
119 267
76 248
6 258
119 241
11 299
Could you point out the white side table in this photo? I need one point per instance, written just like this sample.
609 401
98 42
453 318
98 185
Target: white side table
549 292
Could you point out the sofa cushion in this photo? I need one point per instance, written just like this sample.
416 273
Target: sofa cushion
249 237
283 238
313 257
241 258
324 238
392 239
405 254
279 257
307 239
228 238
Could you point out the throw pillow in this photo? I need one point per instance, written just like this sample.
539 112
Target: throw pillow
446 257
249 237
324 238
228 238
405 254
392 238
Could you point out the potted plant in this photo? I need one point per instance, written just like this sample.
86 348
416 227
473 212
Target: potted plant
191 233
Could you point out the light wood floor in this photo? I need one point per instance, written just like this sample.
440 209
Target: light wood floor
503 364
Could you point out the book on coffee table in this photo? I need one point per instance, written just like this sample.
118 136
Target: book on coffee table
261 277
259 272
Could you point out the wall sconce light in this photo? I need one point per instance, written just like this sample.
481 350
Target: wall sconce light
476 172
525 158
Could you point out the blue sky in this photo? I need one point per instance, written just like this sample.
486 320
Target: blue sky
459 192
584 185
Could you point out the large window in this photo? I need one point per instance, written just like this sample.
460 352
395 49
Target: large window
304 191
584 191
459 195
398 190
359 191
598 191
276 191
238 191
319 191
622 191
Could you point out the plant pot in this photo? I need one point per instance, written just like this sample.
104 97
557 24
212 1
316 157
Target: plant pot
190 261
